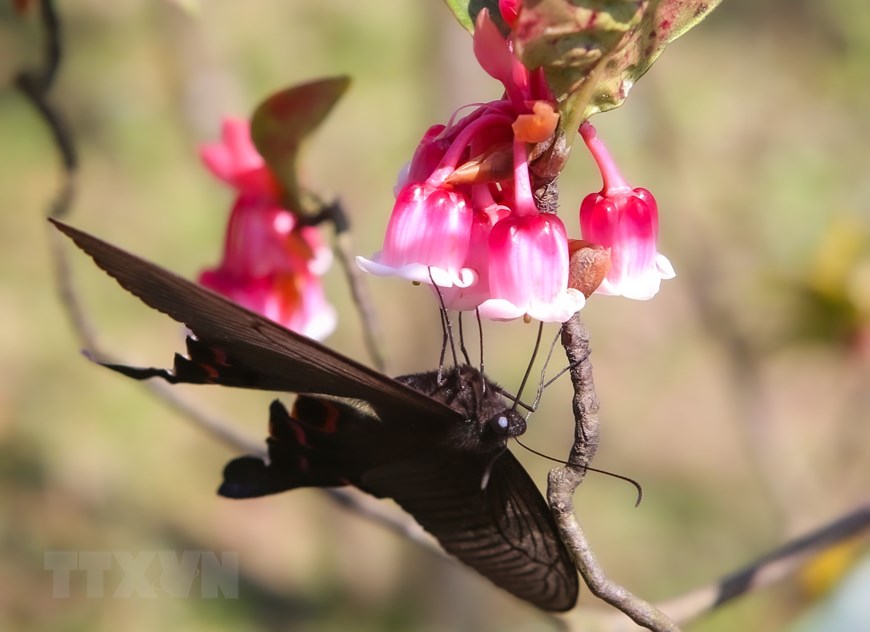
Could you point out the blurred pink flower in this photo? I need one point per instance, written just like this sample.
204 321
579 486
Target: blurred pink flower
270 264
294 300
236 161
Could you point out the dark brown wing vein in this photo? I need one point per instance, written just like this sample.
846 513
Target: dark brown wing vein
504 532
285 361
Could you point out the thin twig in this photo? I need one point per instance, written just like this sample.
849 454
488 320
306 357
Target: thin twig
371 509
371 331
344 249
562 482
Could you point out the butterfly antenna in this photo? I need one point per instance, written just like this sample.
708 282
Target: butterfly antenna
479 336
447 331
440 378
589 468
529 368
541 384
566 369
516 400
480 343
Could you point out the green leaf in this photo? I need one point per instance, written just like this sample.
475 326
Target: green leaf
593 51
466 12
283 121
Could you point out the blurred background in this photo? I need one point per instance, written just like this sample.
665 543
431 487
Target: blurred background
739 397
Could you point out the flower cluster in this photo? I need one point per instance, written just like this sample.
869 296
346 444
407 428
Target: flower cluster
465 218
480 237
270 264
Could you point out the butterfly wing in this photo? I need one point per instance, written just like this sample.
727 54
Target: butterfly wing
269 356
505 531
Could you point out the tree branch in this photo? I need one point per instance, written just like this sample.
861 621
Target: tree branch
562 482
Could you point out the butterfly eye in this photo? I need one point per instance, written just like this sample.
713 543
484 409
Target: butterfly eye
506 424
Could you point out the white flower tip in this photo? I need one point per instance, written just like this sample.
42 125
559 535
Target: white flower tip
664 267
420 273
322 325
558 311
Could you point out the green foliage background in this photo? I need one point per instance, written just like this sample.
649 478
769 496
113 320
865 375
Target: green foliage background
751 131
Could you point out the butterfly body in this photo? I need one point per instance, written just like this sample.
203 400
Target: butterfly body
435 442
328 442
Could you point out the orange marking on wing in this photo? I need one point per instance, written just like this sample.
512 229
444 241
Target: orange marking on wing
330 425
220 356
298 428
213 373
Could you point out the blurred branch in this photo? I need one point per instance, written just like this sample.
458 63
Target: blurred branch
781 479
562 482
372 335
851 440
34 85
768 569
371 509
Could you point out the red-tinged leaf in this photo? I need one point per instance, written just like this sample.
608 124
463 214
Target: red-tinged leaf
21 6
593 51
283 121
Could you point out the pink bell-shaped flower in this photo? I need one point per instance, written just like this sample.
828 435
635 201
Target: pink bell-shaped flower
528 270
468 298
626 221
427 238
270 265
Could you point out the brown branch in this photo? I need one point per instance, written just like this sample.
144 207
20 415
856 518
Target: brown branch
562 482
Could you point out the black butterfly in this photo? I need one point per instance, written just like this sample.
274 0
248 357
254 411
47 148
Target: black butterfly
438 449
